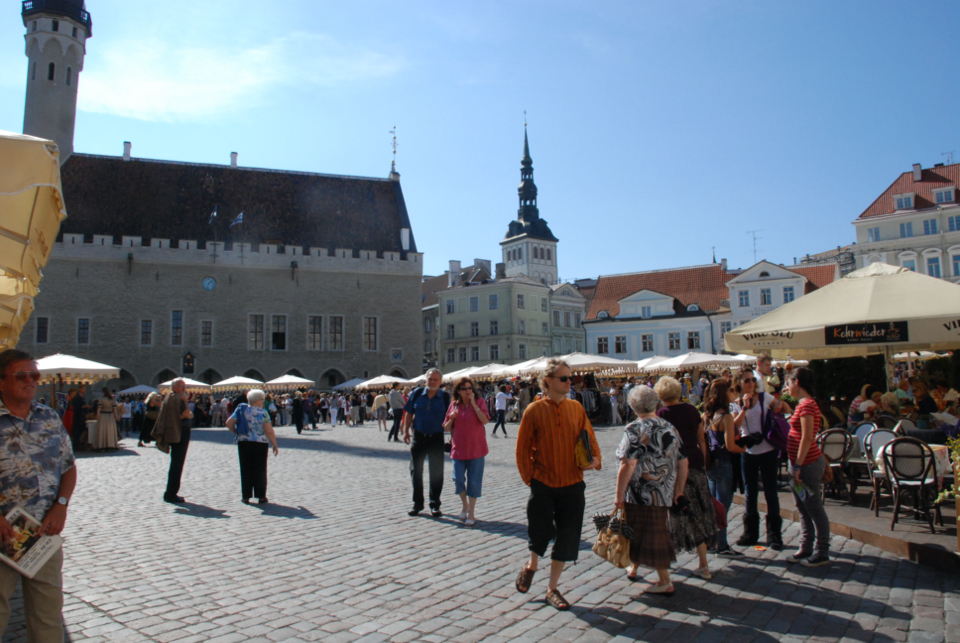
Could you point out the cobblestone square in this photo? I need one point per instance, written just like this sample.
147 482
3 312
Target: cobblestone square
335 558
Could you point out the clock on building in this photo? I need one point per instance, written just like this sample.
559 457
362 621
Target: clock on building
208 283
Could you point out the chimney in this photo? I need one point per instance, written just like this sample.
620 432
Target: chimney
501 271
723 265
233 159
917 172
126 150
454 274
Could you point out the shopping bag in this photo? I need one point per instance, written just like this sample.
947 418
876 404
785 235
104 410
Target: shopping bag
612 545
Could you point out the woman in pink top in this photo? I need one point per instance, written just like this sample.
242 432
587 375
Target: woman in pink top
465 420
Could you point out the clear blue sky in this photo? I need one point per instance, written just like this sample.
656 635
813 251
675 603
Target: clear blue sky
657 129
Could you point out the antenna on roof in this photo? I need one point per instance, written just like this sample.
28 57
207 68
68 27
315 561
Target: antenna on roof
949 156
393 163
714 249
755 237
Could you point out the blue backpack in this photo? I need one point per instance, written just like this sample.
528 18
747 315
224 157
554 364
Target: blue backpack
775 427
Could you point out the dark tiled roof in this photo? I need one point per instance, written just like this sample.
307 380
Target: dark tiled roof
936 177
432 285
819 275
701 285
170 200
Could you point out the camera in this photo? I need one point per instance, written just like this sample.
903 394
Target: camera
749 440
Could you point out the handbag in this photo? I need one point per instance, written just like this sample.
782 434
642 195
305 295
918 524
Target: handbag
721 513
581 450
775 427
613 546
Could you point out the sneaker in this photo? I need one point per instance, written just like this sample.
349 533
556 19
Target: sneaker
436 513
817 560
798 557
727 552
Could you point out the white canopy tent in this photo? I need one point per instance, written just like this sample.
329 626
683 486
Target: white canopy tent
382 381
875 310
350 384
695 361
193 386
236 383
74 370
285 382
139 389
450 377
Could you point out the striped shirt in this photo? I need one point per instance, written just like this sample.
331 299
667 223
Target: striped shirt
546 441
806 406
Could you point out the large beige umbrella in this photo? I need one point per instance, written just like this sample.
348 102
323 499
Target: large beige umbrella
285 382
450 377
193 386
31 209
877 309
694 361
74 370
586 363
236 383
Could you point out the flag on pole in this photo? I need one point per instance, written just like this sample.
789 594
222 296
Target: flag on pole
213 215
238 220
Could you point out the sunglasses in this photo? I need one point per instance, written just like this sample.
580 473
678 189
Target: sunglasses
23 376
562 378
749 379
465 388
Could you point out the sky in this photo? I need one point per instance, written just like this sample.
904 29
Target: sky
658 130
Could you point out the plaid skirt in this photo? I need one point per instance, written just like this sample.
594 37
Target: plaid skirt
651 545
698 524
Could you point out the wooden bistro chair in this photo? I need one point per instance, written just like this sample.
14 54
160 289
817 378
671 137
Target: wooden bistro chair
835 445
910 467
873 442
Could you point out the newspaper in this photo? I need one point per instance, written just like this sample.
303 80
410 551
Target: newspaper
28 552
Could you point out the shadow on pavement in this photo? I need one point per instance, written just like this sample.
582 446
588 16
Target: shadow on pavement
308 444
498 527
200 511
282 511
106 454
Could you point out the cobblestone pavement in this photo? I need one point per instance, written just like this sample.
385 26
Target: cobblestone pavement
336 559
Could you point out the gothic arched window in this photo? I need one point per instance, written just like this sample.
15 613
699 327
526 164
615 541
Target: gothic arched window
51 71
548 255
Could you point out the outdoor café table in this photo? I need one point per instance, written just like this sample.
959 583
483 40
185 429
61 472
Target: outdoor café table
941 461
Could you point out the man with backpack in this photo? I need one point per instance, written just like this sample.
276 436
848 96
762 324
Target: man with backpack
425 412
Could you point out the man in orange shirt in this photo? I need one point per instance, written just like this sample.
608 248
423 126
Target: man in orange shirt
546 459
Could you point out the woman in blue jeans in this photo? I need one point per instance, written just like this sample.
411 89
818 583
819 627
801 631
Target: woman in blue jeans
721 442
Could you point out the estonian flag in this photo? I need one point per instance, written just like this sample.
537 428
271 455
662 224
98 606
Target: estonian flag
237 221
213 215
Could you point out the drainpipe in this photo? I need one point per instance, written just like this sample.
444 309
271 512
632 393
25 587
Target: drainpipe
713 348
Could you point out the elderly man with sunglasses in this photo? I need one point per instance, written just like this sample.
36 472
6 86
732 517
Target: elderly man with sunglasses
37 473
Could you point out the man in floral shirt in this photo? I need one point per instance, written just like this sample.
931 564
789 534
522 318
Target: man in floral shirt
37 472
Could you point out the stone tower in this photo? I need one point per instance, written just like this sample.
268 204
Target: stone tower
529 248
57 32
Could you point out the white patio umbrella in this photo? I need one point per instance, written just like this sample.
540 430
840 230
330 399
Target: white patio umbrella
417 381
877 309
74 370
450 377
193 386
490 371
287 382
695 361
237 382
139 389
513 370
349 383
585 363
915 356
31 209
382 381
650 362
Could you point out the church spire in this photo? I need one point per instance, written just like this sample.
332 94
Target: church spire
528 189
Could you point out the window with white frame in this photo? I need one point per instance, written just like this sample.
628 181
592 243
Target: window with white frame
943 196
576 320
906 230
451 331
450 356
673 341
278 333
474 353
603 346
522 327
335 333
462 353
494 352
314 332
522 351
766 297
543 304
953 223
744 296
909 264
426 325
904 201
788 294
566 319
520 302
492 302
494 327
176 328
693 340
545 327
556 318
646 343
206 333
255 332
933 267
873 234
620 343
474 304
725 328
646 312
451 307
929 226
474 329
370 334
955 260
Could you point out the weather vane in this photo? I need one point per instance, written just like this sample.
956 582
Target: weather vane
394 144
524 118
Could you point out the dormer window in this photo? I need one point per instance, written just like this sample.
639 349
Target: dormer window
943 196
692 308
646 312
764 274
603 314
903 201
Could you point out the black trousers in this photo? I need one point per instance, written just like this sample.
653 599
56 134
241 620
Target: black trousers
178 454
501 421
395 431
555 513
253 468
426 446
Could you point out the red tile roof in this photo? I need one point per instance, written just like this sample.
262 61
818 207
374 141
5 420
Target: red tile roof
931 179
701 285
819 275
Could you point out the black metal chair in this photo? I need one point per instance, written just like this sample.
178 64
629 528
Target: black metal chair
873 442
886 422
857 463
910 468
835 445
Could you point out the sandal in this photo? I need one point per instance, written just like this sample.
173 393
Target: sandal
525 579
665 590
555 598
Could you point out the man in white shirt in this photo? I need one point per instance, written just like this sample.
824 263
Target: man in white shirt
765 374
126 420
501 409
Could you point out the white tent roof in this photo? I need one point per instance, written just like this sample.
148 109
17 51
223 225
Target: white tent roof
287 381
193 386
582 362
350 383
649 362
382 381
449 377
139 389
695 360
236 382
74 369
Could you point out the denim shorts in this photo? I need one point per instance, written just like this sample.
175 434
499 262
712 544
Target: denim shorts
468 476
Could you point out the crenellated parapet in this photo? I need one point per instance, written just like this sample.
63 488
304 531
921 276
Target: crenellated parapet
265 255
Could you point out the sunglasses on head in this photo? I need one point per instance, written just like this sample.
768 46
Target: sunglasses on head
23 376
562 378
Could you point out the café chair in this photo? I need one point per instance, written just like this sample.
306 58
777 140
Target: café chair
835 444
857 462
910 468
873 443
